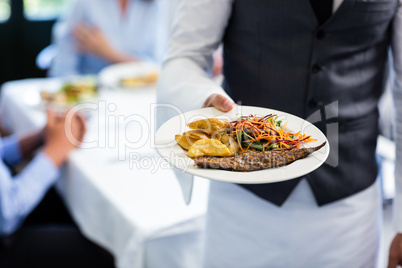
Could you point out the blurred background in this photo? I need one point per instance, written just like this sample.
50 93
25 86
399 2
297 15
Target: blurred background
25 30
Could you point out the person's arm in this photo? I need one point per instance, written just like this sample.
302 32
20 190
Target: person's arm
16 149
11 151
395 252
66 61
197 31
21 194
91 40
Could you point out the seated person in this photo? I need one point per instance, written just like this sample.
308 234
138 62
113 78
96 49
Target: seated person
96 33
20 194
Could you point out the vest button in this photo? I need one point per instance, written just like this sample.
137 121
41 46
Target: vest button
320 34
313 103
317 68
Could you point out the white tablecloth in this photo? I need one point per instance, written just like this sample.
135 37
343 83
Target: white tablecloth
133 206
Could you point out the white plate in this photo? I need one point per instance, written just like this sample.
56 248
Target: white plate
33 99
110 76
176 156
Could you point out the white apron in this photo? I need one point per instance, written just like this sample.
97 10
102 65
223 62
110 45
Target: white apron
244 230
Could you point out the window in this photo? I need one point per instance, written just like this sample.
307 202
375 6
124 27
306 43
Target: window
5 10
43 9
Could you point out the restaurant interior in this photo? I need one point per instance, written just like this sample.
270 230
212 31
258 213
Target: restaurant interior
113 202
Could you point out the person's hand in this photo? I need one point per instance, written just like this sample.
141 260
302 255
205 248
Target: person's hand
395 252
32 141
218 63
58 143
219 102
91 40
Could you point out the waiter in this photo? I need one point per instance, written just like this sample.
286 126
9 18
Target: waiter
301 57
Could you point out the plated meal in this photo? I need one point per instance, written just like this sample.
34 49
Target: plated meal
247 144
147 79
129 75
71 93
223 146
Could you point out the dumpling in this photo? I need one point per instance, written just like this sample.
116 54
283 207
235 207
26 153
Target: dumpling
230 143
197 134
209 147
210 125
190 137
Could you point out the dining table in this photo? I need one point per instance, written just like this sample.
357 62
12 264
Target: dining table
122 195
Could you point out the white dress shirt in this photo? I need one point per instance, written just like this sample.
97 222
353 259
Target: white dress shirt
198 30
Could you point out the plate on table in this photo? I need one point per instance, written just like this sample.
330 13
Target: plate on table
132 75
168 148
63 93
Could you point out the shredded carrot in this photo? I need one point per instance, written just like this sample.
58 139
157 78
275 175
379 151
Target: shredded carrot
265 133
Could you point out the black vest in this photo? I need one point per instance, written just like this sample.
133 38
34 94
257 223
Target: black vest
277 56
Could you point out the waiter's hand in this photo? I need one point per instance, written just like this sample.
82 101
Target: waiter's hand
219 102
395 252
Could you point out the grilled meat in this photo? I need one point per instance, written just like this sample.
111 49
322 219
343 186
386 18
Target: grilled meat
250 160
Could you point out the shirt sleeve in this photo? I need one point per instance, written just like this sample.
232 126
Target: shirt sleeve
11 151
66 61
19 195
397 96
197 32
